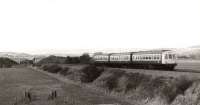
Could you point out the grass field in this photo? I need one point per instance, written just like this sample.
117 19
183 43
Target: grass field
15 81
145 87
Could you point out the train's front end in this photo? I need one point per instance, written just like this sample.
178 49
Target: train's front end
169 59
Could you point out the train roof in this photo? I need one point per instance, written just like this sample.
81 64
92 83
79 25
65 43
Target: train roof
136 52
151 52
105 54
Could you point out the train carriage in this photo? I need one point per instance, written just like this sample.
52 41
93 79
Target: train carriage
119 59
157 59
101 59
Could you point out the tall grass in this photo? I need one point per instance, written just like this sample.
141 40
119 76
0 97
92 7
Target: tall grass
136 86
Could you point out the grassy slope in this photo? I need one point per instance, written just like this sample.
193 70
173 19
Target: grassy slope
14 81
167 80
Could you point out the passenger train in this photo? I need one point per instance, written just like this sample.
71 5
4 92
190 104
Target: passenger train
157 59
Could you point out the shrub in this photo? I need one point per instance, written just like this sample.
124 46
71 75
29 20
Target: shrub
167 87
135 79
111 82
72 60
175 87
52 68
6 62
85 58
183 84
64 71
90 73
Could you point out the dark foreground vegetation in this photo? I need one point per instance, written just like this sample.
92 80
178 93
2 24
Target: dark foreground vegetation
83 59
141 88
6 62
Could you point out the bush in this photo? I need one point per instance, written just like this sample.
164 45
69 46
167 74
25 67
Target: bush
183 84
72 60
111 82
90 73
175 87
135 79
167 88
52 68
64 71
85 58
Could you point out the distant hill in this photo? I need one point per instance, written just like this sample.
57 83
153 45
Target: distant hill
16 56
21 56
52 59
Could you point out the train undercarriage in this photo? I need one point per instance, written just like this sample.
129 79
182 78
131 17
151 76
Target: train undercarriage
138 65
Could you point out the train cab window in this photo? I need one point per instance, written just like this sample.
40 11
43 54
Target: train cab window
170 56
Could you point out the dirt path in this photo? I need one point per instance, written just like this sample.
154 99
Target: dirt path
15 81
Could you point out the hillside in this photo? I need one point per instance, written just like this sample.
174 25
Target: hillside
6 62
52 59
16 56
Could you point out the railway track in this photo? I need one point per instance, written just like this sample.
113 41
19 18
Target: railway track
187 70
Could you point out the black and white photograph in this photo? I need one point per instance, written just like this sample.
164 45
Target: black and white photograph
99 52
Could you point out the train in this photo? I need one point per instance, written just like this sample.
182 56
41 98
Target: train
152 59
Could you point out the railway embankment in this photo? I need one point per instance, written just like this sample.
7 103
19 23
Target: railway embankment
137 87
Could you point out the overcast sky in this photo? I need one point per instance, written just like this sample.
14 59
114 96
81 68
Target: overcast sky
34 26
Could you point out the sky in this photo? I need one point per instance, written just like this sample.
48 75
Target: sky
56 26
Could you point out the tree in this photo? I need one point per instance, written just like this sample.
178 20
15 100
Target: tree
85 58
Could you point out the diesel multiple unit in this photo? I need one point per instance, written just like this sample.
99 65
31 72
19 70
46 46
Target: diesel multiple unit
158 59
